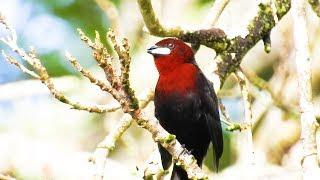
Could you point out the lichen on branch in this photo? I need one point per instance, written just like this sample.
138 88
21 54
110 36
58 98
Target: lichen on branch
259 28
213 38
230 51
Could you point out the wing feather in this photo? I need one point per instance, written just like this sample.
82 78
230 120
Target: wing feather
210 111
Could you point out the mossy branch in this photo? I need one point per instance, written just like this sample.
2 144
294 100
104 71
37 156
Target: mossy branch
213 38
230 51
259 29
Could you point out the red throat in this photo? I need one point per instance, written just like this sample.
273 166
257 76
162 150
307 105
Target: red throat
166 64
180 80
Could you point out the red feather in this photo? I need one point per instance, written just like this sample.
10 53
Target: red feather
181 80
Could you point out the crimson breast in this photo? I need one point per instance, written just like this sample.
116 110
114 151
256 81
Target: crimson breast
181 80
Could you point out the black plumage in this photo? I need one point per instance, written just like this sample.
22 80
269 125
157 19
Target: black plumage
194 119
186 105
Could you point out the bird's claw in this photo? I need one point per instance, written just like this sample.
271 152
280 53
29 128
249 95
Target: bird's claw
185 150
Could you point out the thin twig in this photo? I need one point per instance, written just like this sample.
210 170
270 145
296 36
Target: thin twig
263 85
144 102
215 12
111 11
231 126
109 143
103 58
99 157
247 117
41 73
20 66
103 86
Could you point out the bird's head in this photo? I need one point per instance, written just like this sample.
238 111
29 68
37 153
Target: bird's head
169 53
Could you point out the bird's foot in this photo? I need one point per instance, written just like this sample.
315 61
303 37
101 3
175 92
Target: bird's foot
185 150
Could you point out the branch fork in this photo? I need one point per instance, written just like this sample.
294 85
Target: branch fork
118 86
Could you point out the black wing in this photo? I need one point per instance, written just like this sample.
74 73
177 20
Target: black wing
210 109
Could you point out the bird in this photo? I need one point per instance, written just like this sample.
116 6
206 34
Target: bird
185 104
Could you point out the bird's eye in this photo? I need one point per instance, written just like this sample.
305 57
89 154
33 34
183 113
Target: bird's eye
170 45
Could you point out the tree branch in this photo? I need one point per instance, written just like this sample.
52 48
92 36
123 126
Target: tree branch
41 73
111 11
20 66
247 118
90 76
214 38
230 51
125 95
99 157
109 143
259 29
263 85
309 123
215 12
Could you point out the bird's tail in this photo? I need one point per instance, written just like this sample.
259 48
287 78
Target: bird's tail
178 173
